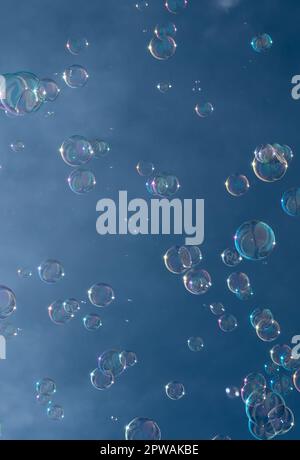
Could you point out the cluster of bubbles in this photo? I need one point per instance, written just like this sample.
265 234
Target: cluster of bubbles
160 184
142 429
284 370
63 311
227 322
45 390
76 151
266 327
261 43
239 284
268 415
162 45
271 161
111 364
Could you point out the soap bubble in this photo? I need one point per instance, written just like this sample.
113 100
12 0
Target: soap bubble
81 181
204 110
75 76
217 308
231 257
271 369
100 148
112 362
17 146
8 330
197 281
195 344
145 168
92 322
280 354
268 330
58 314
232 392
290 202
46 386
164 86
21 94
262 43
129 357
43 399
48 90
237 184
141 5
283 153
271 171
101 294
259 315
175 390
76 45
76 151
142 429
163 185
178 259
296 379
238 282
50 271
55 412
24 273
101 381
282 384
8 303
71 306
176 6
254 240
227 323
162 49
265 153
166 30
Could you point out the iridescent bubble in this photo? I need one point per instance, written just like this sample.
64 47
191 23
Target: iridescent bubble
290 202
237 184
76 45
162 49
101 381
296 379
195 344
17 146
262 432
76 151
192 253
166 30
51 271
71 306
21 95
227 323
255 378
271 171
217 308
176 6
163 185
232 392
282 419
112 362
142 429
46 386
24 273
101 294
238 282
197 281
129 357
204 110
265 153
92 322
55 412
8 303
280 354
48 90
58 313
258 315
100 148
178 259
283 153
145 168
252 393
164 86
75 76
254 240
268 330
282 384
81 181
175 390
261 43
231 257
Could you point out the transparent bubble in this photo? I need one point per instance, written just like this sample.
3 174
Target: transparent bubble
81 181
8 330
263 432
76 151
254 240
271 171
227 323
252 393
162 49
21 95
191 253
48 90
76 45
101 294
101 381
17 146
46 386
164 86
258 315
71 306
145 168
280 354
24 273
163 185
195 344
283 153
290 202
166 30
58 314
231 257
55 412
238 282
142 5
256 378
262 43
92 322
271 369
282 384
178 259
204 110
265 153
197 281
112 362
51 271
217 308
130 358
142 429
268 330
282 419
176 6
232 392
100 148
75 76
175 390
8 303
296 379
43 399
237 184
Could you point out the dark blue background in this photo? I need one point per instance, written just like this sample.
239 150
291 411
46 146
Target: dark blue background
41 218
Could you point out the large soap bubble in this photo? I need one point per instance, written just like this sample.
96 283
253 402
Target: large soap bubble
254 240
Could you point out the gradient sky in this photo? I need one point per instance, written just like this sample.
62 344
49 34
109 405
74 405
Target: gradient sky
42 218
